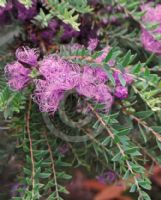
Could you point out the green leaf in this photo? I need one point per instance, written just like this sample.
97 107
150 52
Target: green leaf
44 175
144 114
122 80
127 59
133 188
3 3
117 157
145 185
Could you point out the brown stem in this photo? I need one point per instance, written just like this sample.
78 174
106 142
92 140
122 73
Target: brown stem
53 165
30 141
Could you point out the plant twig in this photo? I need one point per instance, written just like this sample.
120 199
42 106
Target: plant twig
142 123
53 166
145 152
30 141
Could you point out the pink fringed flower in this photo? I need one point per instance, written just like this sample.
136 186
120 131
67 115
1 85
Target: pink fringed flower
103 95
27 55
92 86
18 75
121 92
60 76
46 96
94 75
152 15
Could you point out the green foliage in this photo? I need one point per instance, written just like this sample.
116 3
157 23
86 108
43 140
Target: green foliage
123 140
42 19
42 169
11 102
26 3
66 11
2 3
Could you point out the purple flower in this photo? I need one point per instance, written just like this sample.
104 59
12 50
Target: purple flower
60 76
92 85
18 75
103 95
26 13
94 75
121 92
92 44
48 33
53 25
152 15
107 177
7 7
68 33
27 55
4 13
46 96
63 149
100 75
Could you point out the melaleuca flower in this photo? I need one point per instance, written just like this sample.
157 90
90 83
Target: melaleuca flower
27 55
121 92
18 75
94 75
60 76
92 44
125 75
103 96
4 12
152 15
26 13
68 33
48 33
92 86
5 8
100 75
47 96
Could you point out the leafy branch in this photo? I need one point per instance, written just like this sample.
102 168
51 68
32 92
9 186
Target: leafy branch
141 193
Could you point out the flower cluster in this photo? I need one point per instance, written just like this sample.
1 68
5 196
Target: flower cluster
57 76
17 72
92 85
47 34
4 12
121 92
24 13
152 15
20 11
